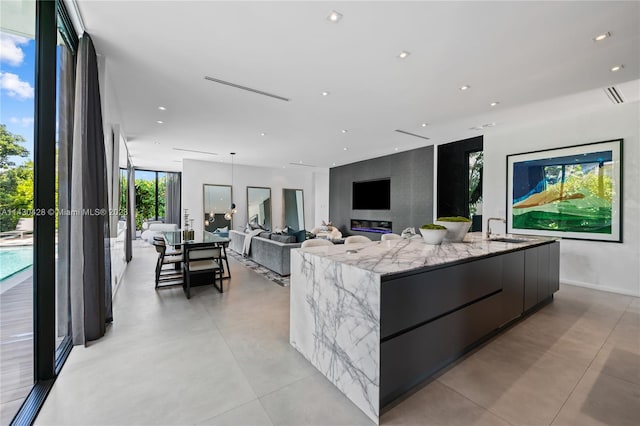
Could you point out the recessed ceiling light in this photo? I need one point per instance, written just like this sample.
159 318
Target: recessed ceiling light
489 125
334 164
344 130
423 125
494 103
284 167
404 54
465 87
617 68
395 149
161 108
345 148
334 16
300 161
156 143
262 134
475 128
159 121
325 93
602 36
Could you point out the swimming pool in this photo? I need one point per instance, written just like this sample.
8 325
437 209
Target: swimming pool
14 259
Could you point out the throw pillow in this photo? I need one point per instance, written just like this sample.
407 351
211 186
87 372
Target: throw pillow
301 236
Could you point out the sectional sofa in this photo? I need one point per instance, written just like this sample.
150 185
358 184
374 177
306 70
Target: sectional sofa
268 250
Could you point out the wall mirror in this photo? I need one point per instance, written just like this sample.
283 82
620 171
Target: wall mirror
259 206
293 208
217 201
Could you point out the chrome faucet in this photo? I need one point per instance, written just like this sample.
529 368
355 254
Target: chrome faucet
489 224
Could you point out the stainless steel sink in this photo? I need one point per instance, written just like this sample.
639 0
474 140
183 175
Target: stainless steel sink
509 240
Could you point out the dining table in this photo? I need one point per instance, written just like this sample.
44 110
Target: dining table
200 239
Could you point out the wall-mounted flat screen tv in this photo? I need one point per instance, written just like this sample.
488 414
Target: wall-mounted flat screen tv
372 195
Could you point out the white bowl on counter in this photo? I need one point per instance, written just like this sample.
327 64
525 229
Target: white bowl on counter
456 231
433 236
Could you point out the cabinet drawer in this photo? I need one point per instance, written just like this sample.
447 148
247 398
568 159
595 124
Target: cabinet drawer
410 358
412 300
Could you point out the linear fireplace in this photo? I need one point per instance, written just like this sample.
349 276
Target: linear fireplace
376 226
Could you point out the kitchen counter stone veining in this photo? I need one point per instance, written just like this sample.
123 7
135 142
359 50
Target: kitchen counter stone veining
396 256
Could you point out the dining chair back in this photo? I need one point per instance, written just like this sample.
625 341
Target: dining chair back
387 237
201 260
315 242
355 239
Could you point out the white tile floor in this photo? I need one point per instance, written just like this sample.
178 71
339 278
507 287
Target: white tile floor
224 359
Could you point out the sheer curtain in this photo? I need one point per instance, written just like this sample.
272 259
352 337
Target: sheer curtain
90 268
172 205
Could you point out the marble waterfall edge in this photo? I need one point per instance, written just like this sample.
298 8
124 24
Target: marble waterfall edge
335 324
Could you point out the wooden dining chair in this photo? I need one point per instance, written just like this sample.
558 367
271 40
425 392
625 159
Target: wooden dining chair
225 259
173 275
200 260
170 251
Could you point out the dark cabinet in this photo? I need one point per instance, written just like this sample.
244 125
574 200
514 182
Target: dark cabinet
422 297
554 267
512 285
430 318
541 273
530 277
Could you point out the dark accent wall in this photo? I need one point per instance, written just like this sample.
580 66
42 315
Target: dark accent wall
453 176
411 174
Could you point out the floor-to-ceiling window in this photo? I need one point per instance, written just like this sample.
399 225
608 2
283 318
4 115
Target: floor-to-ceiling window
36 75
17 93
152 198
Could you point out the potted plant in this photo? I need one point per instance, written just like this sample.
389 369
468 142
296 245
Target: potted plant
457 227
432 233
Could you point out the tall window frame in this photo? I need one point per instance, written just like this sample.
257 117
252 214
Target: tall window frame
49 353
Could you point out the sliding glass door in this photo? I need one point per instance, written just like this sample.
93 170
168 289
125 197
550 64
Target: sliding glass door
153 201
38 62
17 98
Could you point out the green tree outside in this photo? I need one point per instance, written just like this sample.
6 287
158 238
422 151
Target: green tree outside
16 182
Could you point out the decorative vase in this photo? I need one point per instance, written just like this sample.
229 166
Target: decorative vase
433 236
456 231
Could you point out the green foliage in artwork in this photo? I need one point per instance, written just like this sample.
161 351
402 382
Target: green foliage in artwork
590 183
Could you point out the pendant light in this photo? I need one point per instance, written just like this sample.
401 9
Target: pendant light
233 210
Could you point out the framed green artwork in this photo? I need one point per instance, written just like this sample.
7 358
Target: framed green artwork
573 192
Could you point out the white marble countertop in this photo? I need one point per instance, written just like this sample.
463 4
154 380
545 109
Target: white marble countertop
395 256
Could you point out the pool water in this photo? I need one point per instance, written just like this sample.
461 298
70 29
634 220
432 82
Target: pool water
14 259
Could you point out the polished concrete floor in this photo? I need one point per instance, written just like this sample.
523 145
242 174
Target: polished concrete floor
224 359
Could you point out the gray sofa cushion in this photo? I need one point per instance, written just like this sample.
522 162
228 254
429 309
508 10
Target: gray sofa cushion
265 234
283 238
268 253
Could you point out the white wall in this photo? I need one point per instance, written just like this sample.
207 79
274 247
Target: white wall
606 266
111 117
196 173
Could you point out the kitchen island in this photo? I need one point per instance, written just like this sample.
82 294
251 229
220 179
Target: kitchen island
379 318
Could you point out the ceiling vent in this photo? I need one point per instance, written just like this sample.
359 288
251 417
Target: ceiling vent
249 89
193 150
302 164
614 95
411 134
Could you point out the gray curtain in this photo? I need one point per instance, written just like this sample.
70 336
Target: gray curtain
131 211
172 204
90 265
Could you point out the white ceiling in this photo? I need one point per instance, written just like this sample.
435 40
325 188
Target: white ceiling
517 53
